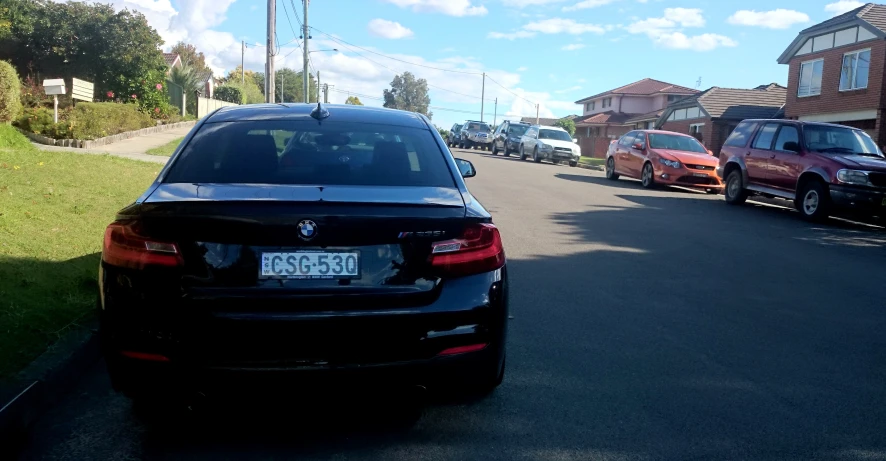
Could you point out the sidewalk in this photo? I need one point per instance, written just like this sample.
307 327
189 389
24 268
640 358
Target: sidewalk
132 148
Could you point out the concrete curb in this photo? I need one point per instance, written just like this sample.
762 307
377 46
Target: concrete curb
590 167
40 139
43 383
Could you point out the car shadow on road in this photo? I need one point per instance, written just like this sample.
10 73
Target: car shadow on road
624 183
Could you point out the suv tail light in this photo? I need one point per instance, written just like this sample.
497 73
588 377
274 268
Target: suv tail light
124 247
478 250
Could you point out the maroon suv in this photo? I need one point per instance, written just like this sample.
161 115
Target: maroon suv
820 166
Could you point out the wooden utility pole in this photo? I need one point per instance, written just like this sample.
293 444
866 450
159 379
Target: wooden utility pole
270 78
305 36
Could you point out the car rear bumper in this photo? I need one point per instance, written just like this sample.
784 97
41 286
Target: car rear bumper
859 198
186 346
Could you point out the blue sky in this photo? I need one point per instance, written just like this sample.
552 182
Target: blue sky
552 52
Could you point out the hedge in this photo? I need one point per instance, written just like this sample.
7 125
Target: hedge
10 93
230 93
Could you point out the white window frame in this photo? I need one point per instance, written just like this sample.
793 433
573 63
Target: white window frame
800 79
854 71
695 125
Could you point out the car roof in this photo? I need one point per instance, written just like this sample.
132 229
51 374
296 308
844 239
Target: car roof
801 122
518 122
302 111
546 127
665 132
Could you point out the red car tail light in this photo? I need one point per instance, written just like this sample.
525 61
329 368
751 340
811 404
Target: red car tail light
463 349
478 250
124 247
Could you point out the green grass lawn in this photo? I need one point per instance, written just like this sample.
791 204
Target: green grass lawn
165 150
592 161
54 207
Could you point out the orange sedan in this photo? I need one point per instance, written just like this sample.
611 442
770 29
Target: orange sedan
663 158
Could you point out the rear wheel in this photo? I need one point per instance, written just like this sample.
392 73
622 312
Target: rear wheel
610 169
573 164
507 152
735 191
813 201
647 178
494 149
522 153
535 157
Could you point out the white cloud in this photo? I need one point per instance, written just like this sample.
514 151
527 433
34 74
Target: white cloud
525 3
842 6
573 46
511 35
561 25
774 19
522 69
567 90
588 4
388 29
703 42
447 7
666 31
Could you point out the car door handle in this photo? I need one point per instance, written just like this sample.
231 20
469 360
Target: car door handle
772 156
747 154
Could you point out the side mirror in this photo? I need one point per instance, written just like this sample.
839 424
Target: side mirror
638 146
792 146
466 168
710 152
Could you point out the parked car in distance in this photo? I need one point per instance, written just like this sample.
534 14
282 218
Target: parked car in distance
821 167
507 137
476 134
454 137
235 272
549 143
658 157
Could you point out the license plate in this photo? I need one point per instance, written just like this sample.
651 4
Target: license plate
700 175
310 265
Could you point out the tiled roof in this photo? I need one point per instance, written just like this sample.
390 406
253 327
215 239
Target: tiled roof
645 87
867 12
608 117
869 16
654 115
204 76
738 103
170 58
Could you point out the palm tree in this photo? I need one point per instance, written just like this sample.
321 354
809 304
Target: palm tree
186 78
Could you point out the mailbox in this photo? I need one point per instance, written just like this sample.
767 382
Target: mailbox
54 86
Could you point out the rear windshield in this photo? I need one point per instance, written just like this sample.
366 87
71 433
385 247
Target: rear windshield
517 130
478 127
302 152
556 135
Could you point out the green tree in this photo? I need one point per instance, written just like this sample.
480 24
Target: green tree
354 101
444 133
408 93
10 93
252 92
118 51
191 57
290 86
567 124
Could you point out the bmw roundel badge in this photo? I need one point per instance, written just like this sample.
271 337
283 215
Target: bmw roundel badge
307 229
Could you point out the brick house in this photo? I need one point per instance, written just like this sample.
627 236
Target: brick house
712 114
836 71
610 114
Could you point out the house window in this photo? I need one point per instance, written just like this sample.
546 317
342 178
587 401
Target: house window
607 102
692 112
590 106
695 130
674 97
810 78
854 74
650 125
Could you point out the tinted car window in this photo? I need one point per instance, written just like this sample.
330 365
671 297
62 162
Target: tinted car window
675 142
517 130
299 152
764 138
478 127
788 133
741 134
627 139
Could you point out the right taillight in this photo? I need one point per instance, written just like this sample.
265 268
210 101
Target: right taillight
124 247
478 250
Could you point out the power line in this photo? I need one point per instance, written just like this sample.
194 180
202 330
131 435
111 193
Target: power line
509 91
397 59
445 109
295 11
343 43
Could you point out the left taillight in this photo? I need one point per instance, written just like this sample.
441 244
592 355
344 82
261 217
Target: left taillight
478 250
125 247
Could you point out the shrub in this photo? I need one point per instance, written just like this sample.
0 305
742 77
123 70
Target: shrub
92 120
230 93
39 120
10 92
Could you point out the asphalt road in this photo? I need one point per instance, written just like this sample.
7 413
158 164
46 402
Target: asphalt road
647 325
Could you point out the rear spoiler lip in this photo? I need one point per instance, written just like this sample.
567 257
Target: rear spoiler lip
397 195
